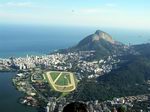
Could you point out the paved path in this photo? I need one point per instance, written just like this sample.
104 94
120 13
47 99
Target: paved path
57 77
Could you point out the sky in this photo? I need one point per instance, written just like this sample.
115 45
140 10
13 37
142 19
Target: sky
131 14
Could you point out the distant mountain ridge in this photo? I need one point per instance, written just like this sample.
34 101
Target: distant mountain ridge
100 42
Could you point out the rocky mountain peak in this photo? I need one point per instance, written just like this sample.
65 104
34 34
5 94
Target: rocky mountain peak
102 35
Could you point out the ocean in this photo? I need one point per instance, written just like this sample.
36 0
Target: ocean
20 40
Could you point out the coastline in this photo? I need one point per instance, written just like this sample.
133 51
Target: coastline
3 71
10 96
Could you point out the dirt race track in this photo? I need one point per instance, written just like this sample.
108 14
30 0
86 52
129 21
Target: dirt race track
70 86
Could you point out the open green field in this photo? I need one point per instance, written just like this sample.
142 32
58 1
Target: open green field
61 81
64 79
54 75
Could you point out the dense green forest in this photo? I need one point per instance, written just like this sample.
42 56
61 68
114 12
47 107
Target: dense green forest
129 79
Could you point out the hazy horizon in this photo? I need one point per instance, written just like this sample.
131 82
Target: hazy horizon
19 40
91 13
35 26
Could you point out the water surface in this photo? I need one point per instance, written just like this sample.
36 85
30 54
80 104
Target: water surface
9 96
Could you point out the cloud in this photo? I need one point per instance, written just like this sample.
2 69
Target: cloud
102 9
110 5
16 4
89 10
96 11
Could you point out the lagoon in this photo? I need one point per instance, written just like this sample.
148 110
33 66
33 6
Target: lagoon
9 95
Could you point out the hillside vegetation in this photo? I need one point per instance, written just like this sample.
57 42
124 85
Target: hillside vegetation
129 79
